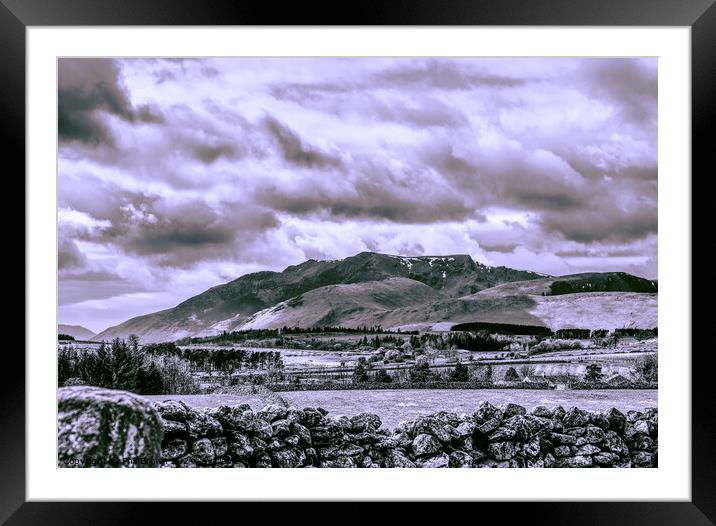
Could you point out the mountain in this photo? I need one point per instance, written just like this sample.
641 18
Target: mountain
230 305
76 331
402 292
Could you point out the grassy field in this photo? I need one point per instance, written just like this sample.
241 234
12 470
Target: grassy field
395 405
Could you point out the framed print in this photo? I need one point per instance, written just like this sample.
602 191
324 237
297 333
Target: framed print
436 237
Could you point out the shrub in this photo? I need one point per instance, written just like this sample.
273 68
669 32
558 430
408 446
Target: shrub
555 345
459 373
593 373
420 373
360 375
483 374
511 375
382 377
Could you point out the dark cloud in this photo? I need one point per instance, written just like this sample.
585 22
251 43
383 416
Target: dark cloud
208 154
180 234
172 233
89 89
503 248
68 255
604 222
295 151
588 169
370 191
527 180
442 74
420 111
630 84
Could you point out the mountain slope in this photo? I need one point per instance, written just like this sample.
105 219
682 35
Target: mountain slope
234 302
406 304
76 331
588 310
350 305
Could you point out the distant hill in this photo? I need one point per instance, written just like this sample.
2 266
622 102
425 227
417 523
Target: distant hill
574 283
76 331
402 292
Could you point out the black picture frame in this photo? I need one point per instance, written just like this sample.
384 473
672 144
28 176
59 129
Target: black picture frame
699 15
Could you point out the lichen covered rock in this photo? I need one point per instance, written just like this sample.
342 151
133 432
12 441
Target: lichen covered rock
106 428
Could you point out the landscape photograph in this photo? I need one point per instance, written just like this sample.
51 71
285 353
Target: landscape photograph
379 262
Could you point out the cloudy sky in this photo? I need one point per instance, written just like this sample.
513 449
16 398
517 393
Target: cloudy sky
177 175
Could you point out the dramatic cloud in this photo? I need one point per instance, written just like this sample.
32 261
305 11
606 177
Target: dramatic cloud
294 151
179 174
88 91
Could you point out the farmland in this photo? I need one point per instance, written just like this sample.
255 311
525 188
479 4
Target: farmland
294 360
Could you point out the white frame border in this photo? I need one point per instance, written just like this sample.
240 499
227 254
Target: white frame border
670 481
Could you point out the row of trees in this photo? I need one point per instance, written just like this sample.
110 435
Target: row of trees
264 334
421 373
222 360
645 370
121 365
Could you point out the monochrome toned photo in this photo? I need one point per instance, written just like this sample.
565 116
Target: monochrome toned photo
357 262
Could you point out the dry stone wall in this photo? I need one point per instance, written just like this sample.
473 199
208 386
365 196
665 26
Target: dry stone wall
506 436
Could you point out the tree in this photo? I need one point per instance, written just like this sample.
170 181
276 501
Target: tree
460 373
133 342
149 380
511 375
382 377
420 373
101 374
526 371
360 375
125 363
593 373
646 369
67 364
483 373
488 373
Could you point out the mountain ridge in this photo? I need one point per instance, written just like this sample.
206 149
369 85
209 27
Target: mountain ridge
359 290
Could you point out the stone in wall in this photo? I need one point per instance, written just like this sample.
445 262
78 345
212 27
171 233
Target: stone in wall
108 428
490 437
